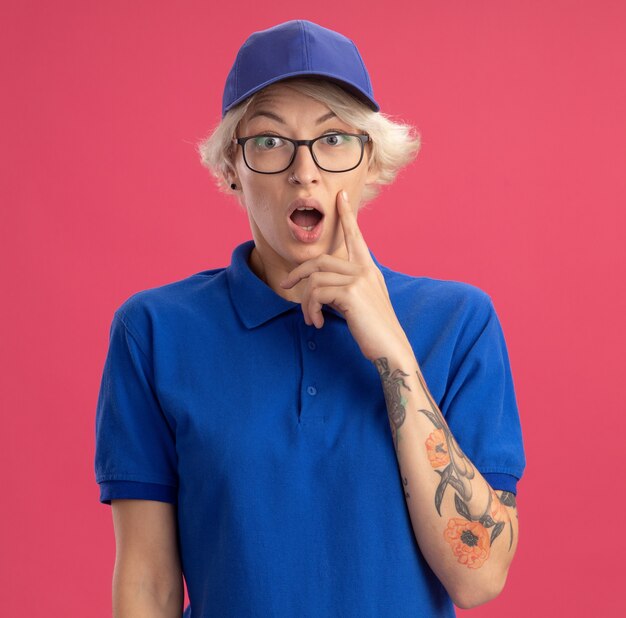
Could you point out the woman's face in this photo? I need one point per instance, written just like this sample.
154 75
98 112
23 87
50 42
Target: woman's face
268 198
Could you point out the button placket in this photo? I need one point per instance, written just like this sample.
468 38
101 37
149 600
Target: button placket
311 410
311 389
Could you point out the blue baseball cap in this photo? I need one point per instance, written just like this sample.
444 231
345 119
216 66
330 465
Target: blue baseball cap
293 48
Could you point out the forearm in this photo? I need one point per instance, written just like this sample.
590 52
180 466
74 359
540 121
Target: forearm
147 577
467 534
136 597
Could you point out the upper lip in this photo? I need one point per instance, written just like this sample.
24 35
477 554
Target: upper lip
307 202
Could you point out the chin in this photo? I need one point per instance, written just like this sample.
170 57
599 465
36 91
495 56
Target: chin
293 251
302 252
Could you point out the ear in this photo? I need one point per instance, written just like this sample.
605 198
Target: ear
373 171
237 193
230 178
372 175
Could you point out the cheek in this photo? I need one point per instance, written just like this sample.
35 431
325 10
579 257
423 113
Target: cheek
263 198
260 207
265 206
354 186
254 194
261 204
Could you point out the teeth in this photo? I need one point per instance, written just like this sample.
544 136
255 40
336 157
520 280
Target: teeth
306 208
308 228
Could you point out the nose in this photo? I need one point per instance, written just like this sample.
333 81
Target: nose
303 169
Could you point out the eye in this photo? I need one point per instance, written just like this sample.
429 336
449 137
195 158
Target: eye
267 142
336 139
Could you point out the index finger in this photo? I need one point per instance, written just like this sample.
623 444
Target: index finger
355 243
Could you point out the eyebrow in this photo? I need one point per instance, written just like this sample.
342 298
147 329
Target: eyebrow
273 116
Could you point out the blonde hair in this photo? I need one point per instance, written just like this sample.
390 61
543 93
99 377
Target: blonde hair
393 144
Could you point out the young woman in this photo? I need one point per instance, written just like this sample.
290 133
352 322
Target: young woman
307 432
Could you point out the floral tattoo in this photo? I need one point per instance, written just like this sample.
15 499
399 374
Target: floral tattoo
469 536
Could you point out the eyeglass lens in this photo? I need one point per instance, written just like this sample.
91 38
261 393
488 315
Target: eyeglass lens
334 152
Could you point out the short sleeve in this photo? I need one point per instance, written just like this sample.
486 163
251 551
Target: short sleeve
135 454
480 406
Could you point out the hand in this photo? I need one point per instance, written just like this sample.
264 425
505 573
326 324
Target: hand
355 288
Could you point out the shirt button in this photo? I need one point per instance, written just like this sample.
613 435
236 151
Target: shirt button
311 390
312 345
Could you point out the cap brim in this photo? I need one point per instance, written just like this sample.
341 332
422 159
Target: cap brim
353 89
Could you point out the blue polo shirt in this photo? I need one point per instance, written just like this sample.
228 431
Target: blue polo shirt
271 437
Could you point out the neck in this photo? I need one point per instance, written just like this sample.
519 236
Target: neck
273 269
273 273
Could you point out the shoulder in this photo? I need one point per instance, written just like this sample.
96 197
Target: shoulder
440 299
150 309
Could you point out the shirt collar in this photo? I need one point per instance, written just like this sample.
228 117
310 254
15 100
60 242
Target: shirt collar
254 300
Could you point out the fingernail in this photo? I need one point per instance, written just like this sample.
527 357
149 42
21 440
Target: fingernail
344 195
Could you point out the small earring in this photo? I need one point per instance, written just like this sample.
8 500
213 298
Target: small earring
233 186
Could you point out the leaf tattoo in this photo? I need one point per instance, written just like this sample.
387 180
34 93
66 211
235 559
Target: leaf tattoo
396 403
471 535
468 536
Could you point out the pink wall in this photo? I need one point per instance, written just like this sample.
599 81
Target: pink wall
520 189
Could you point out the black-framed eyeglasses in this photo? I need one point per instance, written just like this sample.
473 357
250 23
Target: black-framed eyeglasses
332 152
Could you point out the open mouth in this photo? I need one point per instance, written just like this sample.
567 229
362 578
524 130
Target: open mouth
306 218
